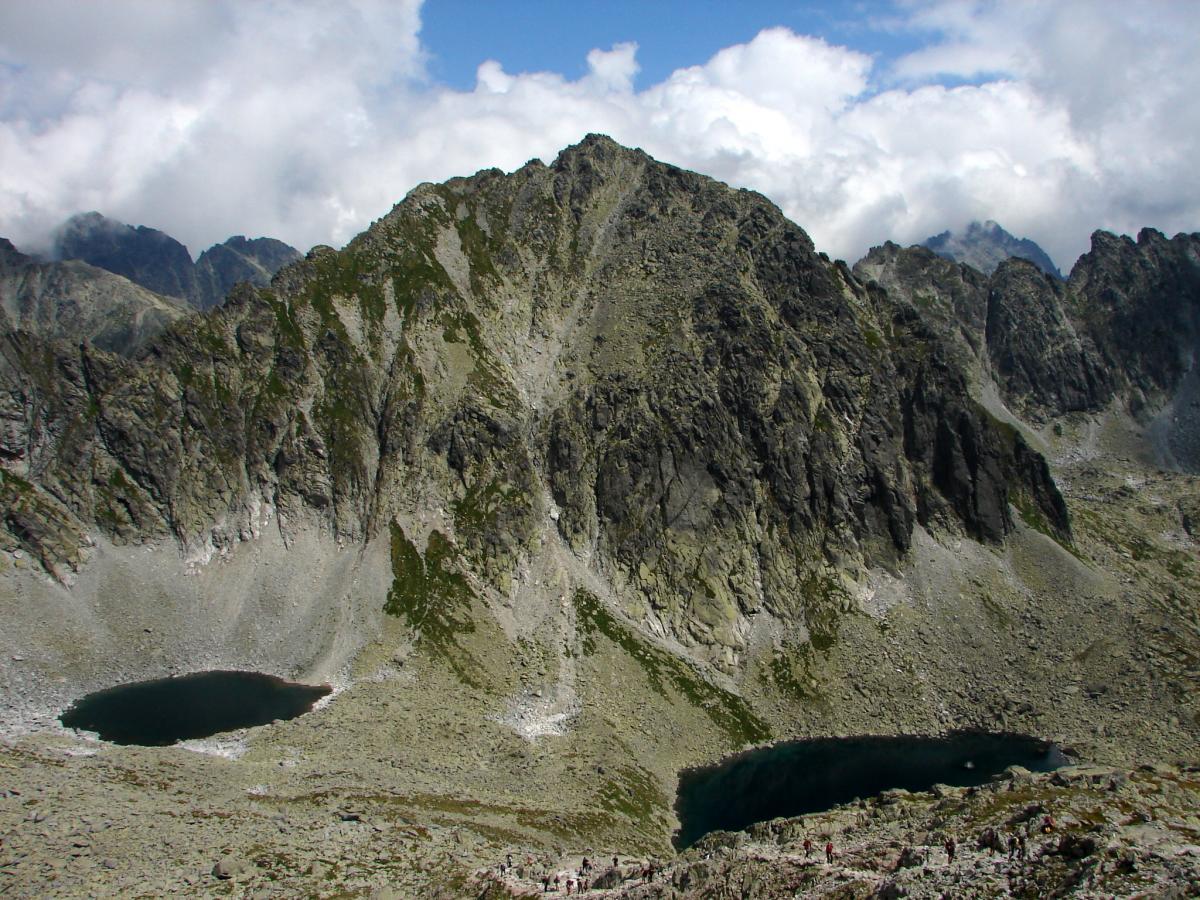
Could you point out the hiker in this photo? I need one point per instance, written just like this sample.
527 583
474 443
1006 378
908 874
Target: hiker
570 884
586 866
950 845
614 862
557 882
807 848
1048 824
1012 846
508 856
545 884
502 870
990 840
1021 848
652 872
829 852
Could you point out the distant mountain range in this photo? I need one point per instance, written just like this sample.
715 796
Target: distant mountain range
985 245
158 262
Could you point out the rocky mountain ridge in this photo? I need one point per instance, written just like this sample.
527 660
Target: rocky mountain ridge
1121 328
764 396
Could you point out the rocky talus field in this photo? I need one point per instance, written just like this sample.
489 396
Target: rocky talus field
571 478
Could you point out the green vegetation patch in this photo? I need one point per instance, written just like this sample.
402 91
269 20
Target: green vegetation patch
823 600
633 792
14 482
412 276
1032 516
352 274
434 599
286 328
477 246
476 512
487 378
1177 562
790 669
995 611
727 711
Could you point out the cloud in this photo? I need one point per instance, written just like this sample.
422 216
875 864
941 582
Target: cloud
305 121
202 118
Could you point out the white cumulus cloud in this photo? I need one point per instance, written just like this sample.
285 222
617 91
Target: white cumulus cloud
305 120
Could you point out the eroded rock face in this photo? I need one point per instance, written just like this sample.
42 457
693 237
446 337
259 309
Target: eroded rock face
145 256
1138 302
1035 350
722 415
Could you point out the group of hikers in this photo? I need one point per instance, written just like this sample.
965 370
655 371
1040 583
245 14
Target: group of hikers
990 840
580 881
808 845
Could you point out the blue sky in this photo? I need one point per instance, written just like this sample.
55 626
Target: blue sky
556 35
864 121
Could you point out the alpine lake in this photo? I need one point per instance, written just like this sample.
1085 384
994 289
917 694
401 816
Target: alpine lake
161 712
798 777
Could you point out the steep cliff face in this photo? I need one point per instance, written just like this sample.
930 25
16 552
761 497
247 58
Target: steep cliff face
718 416
1138 302
949 297
145 256
1040 356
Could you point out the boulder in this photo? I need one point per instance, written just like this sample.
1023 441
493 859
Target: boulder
229 867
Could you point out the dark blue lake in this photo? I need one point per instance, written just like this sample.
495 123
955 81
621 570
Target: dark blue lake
809 776
161 712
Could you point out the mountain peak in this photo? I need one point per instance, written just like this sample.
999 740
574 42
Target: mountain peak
984 245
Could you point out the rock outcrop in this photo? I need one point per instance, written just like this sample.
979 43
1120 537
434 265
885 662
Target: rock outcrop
222 266
145 256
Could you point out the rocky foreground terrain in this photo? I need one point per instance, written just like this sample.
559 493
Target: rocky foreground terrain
571 478
1089 831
